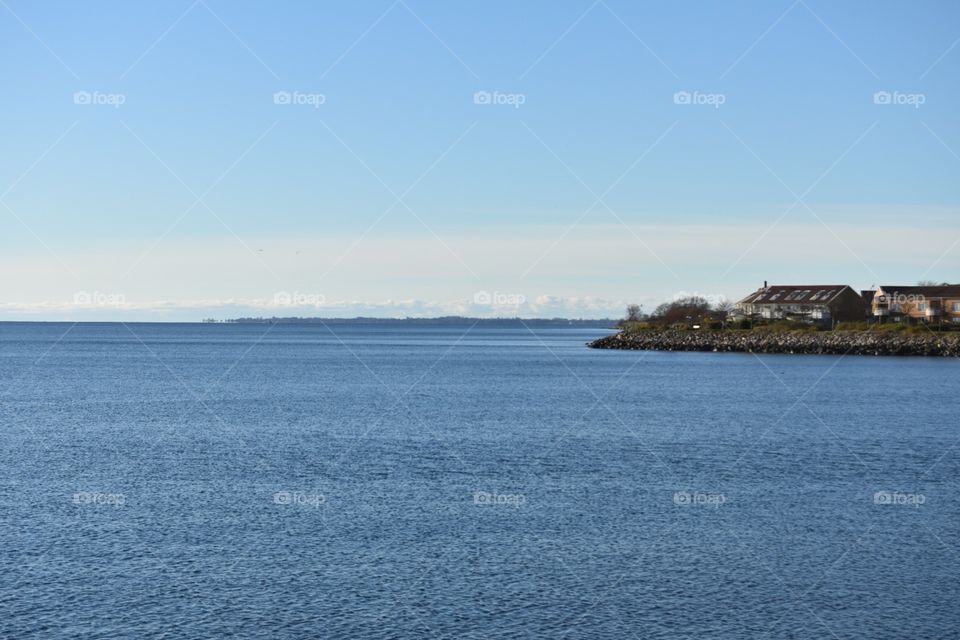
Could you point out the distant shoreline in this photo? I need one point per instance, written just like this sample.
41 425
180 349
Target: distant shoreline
607 323
869 343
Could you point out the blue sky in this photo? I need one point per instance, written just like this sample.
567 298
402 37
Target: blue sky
386 189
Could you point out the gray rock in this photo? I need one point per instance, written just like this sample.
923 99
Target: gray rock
822 342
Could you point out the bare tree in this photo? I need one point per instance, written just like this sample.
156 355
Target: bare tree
634 313
724 307
682 310
722 310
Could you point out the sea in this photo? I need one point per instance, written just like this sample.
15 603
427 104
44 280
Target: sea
340 480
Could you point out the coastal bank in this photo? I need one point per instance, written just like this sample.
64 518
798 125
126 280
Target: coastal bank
864 343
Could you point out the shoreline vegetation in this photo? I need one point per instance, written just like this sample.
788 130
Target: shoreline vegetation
697 324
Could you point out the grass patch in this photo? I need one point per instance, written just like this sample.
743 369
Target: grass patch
854 326
783 326
636 327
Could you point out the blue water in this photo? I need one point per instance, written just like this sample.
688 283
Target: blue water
201 481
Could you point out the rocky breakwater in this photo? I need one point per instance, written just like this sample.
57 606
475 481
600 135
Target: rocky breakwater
866 343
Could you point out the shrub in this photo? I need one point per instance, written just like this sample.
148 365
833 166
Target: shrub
786 326
890 327
853 326
639 326
780 326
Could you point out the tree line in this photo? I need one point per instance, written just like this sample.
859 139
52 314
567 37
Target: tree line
685 310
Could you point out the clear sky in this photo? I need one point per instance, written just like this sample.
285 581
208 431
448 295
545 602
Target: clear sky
183 159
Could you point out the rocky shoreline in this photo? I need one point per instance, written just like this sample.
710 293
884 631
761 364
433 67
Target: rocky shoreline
864 343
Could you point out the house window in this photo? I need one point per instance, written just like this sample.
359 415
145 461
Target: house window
956 307
921 306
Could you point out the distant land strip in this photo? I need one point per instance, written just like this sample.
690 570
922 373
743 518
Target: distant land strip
605 323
